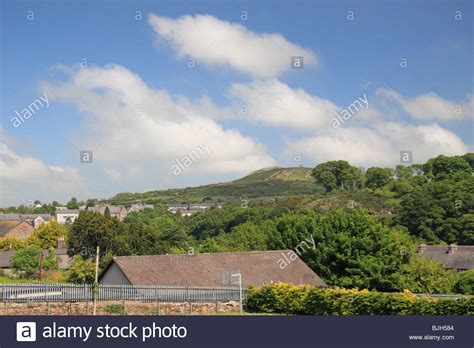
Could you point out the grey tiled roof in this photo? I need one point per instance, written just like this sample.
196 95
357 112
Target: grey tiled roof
461 257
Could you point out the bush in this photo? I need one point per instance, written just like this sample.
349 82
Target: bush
288 299
81 271
114 309
465 284
27 260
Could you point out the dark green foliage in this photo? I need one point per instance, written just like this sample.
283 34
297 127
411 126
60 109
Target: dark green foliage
465 284
338 174
440 211
352 249
377 177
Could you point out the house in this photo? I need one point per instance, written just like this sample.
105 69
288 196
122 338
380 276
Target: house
64 260
119 212
140 207
5 257
458 257
35 219
66 216
18 229
187 209
213 270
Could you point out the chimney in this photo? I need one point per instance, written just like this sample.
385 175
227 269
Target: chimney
422 248
452 248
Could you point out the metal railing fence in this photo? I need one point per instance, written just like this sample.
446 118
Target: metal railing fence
36 292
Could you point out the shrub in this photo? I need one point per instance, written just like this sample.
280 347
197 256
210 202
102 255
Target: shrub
116 309
81 271
27 260
465 284
289 299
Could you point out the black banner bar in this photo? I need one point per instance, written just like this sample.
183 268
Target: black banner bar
236 331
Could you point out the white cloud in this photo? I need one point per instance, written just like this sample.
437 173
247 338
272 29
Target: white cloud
275 103
379 146
216 42
131 125
431 106
24 178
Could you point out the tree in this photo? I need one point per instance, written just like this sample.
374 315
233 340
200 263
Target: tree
338 174
427 276
73 204
90 230
440 211
377 177
46 235
465 284
443 167
81 271
346 248
27 260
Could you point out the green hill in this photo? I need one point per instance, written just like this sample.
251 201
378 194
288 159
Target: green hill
266 182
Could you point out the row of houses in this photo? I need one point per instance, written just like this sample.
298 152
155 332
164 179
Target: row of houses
187 209
65 216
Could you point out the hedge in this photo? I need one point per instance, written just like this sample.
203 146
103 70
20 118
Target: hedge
307 300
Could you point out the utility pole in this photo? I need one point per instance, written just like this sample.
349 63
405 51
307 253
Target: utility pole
96 283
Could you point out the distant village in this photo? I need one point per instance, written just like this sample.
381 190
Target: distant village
21 226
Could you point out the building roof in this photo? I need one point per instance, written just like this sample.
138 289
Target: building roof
452 256
67 211
5 258
17 217
8 225
257 268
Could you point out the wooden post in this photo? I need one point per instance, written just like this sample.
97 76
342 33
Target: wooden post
41 266
96 280
190 308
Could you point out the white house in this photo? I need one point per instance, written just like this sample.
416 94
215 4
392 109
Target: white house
66 216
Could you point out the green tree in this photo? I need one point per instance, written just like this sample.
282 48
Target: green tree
350 249
443 167
27 260
420 275
338 174
440 211
378 177
91 230
46 235
73 204
81 271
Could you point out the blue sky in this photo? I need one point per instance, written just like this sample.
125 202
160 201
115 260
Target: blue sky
353 50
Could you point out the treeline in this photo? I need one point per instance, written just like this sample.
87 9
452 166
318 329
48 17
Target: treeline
434 201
